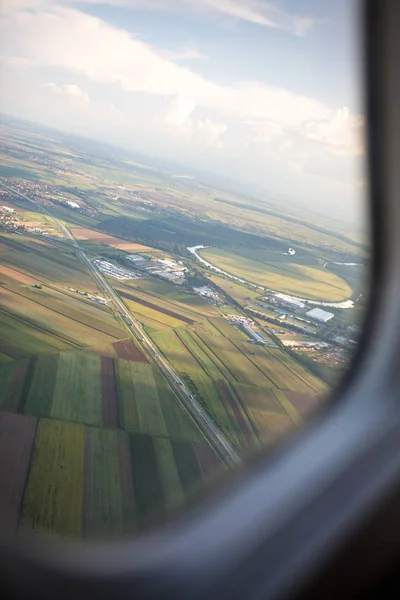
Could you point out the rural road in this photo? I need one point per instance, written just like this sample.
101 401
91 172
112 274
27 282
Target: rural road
198 414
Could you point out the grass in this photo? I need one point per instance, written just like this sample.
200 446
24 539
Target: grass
78 393
21 338
202 385
41 390
179 425
149 410
6 374
217 371
149 495
125 373
265 410
284 276
237 364
188 466
102 500
53 497
169 474
51 318
173 298
291 411
150 314
15 395
239 293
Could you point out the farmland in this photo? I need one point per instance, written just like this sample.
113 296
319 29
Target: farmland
94 443
286 276
218 362
39 313
53 497
121 475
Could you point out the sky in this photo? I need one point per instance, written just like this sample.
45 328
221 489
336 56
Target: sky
264 93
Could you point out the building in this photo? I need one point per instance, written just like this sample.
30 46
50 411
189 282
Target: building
73 204
7 209
255 335
291 252
136 258
289 300
320 315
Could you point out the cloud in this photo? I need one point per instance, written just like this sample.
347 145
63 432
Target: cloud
340 133
107 55
259 12
187 53
139 96
69 90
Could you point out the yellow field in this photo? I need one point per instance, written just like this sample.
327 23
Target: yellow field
281 275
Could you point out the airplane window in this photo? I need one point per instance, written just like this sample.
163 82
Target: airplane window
184 247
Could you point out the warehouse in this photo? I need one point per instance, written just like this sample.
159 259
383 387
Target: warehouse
289 300
320 315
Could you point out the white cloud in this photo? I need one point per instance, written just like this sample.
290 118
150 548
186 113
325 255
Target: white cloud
187 53
82 44
69 90
260 12
133 94
341 132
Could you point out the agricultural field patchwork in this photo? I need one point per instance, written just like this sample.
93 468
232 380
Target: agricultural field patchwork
287 276
94 441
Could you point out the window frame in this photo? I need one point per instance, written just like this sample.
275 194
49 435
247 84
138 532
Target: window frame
279 523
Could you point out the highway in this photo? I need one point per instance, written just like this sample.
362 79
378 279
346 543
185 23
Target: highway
198 414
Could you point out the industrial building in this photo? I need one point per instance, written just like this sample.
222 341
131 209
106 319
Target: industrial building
320 315
289 300
136 258
255 335
115 270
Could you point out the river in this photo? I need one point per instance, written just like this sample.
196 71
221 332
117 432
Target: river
345 304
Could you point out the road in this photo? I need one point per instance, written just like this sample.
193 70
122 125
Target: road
198 414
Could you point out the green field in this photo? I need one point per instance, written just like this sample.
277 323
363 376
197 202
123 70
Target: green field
77 393
103 492
201 384
53 497
150 415
38 313
41 391
285 276
114 446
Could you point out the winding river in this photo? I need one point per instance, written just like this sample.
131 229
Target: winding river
345 304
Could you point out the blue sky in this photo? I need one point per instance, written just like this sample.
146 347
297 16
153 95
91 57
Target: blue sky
267 93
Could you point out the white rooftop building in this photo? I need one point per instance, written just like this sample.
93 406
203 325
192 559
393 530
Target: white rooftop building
135 257
320 315
289 300
73 204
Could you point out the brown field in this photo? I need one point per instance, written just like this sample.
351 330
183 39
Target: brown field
82 233
303 403
207 459
17 434
244 427
17 275
127 349
110 413
157 307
